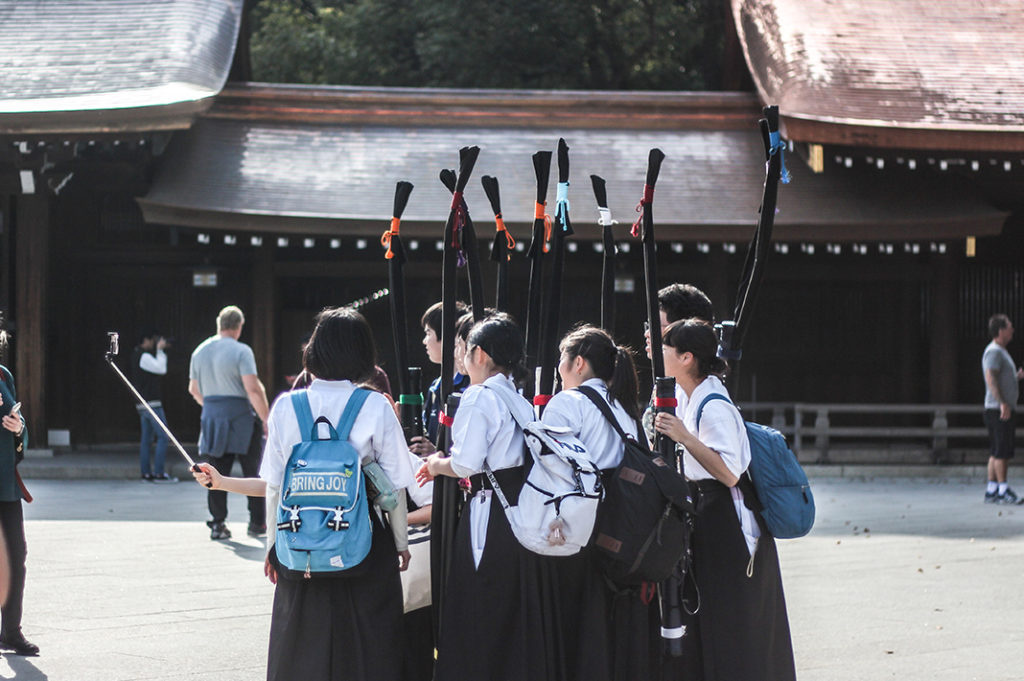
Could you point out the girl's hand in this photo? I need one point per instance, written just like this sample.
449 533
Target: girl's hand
403 560
423 475
12 423
269 570
207 476
670 425
421 446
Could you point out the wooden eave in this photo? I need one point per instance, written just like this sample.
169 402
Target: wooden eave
849 134
421 107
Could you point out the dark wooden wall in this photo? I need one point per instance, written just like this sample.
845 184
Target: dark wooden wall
846 328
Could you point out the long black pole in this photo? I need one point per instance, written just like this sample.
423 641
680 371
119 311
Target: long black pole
733 333
671 608
446 490
396 257
541 221
548 351
501 247
604 220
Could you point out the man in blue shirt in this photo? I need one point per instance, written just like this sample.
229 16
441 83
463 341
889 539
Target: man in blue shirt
223 380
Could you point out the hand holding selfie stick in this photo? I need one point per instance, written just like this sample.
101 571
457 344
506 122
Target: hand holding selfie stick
111 353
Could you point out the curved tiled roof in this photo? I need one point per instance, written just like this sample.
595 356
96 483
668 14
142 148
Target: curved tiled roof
305 178
911 73
99 65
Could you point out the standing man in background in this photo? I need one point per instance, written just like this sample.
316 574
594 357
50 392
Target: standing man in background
149 366
1001 392
223 380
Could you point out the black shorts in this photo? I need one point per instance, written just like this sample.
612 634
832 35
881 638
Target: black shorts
1000 434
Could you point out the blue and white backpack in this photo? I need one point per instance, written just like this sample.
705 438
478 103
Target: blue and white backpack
323 520
779 481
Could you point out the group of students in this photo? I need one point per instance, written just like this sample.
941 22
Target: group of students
510 614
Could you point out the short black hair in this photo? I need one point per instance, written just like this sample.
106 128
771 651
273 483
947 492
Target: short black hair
341 347
148 333
499 336
697 337
432 316
685 301
997 323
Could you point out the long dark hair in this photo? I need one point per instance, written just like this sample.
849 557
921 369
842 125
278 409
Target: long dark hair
341 347
697 337
612 363
499 336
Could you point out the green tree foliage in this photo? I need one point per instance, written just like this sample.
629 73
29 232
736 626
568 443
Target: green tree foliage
540 44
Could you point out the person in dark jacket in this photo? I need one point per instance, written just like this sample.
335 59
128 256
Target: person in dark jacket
149 366
12 520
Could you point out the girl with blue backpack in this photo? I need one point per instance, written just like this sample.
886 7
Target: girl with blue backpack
499 616
740 629
344 623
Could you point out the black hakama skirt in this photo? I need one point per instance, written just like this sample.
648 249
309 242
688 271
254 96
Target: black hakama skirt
341 628
609 634
499 621
741 630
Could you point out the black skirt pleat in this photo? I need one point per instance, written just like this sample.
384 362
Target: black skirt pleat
741 630
499 622
341 628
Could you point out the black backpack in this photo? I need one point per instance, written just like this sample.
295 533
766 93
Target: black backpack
642 530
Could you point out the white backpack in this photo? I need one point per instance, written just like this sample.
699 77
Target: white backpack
557 506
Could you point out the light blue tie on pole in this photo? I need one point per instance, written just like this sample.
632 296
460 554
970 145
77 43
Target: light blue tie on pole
562 204
779 147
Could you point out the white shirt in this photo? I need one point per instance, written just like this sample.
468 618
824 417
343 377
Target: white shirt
484 431
154 365
721 429
376 434
573 409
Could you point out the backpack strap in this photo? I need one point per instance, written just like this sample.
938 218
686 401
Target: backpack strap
352 407
712 396
304 415
605 409
514 406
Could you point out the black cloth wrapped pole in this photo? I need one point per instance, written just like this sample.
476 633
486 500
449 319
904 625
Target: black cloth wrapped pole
672 629
501 247
470 249
541 232
733 333
410 397
548 351
447 495
604 220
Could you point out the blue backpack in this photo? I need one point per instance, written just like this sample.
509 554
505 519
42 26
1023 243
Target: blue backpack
780 482
323 520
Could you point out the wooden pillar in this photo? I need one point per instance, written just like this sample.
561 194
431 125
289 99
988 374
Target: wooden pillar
943 353
31 239
263 319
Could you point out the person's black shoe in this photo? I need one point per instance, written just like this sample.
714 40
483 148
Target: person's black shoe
19 645
256 530
218 530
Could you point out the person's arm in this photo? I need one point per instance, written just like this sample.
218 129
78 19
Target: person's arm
193 390
207 476
257 396
993 387
154 365
671 425
421 516
398 519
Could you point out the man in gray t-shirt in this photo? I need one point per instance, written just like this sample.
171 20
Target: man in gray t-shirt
222 378
1001 393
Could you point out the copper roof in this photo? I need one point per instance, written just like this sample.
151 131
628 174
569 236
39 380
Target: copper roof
110 65
296 169
890 73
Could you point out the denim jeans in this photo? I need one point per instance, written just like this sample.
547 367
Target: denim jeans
151 429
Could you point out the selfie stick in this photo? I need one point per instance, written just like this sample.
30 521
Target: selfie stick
111 353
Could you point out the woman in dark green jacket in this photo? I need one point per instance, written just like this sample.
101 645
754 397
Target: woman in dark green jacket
12 521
